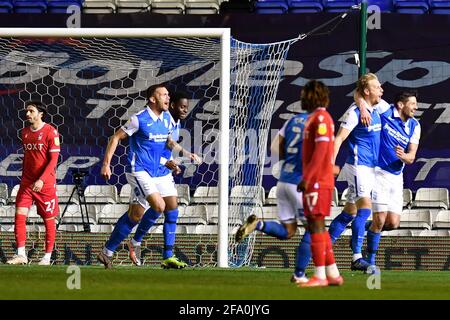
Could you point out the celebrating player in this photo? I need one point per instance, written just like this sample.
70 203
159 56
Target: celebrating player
41 150
288 145
359 169
400 136
318 182
179 106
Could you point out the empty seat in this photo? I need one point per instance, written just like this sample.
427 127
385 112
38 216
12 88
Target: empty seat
269 213
397 233
60 6
100 194
271 6
193 215
3 194
442 219
434 233
73 214
411 7
440 6
383 5
339 5
23 6
99 6
168 6
248 195
272 196
13 195
305 6
416 218
106 228
125 193
132 6
236 6
7 214
184 196
203 195
64 191
6 7
343 197
111 212
236 214
431 198
33 217
201 7
206 229
407 198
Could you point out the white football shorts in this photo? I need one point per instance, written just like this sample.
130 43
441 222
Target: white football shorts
289 202
387 195
360 179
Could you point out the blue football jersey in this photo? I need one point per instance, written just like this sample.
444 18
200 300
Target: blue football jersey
292 131
147 139
395 132
167 153
363 142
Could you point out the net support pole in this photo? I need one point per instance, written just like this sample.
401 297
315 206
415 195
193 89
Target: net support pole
363 39
224 149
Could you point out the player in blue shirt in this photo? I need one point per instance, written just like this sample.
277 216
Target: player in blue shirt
288 145
148 132
359 168
179 106
399 143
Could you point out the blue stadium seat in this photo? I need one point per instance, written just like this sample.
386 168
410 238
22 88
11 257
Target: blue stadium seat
236 6
305 6
271 6
384 5
6 7
440 6
60 6
411 7
339 5
23 6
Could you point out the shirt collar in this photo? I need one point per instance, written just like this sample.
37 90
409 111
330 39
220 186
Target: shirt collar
154 116
397 115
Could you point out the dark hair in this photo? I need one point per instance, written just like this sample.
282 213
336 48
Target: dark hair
177 96
314 94
38 104
404 96
151 90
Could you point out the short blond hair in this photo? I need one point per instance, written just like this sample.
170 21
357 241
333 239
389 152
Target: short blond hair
363 82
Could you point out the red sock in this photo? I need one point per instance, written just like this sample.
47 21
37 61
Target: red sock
329 256
20 230
318 246
50 235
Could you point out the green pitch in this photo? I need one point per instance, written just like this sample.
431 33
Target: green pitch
38 282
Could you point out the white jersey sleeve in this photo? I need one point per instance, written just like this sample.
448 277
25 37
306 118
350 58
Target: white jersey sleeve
282 131
382 106
350 119
416 135
131 126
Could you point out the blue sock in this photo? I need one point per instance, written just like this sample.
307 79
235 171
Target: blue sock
338 225
303 255
358 229
122 229
148 220
367 225
170 227
275 229
373 239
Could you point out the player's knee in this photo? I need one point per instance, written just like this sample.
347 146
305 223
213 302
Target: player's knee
291 230
389 226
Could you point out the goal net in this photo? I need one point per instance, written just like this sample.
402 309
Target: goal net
92 82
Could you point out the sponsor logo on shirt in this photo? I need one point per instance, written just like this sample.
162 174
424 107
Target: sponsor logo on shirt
395 134
157 137
322 129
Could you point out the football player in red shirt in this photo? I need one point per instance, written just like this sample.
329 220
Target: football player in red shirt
318 181
41 150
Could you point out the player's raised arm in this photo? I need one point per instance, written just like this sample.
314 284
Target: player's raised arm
110 149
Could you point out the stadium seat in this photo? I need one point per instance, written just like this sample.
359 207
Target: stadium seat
168 6
69 228
269 213
397 233
125 193
184 196
236 6
104 228
64 191
206 229
3 194
132 6
335 200
6 7
12 196
271 6
440 6
201 7
434 233
305 6
248 195
431 198
236 214
411 7
109 213
99 6
339 5
442 219
192 215
33 217
416 219
100 194
60 6
272 196
384 5
407 198
201 195
343 197
7 214
73 214
23 6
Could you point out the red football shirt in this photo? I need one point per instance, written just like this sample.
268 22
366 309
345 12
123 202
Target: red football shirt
317 150
38 147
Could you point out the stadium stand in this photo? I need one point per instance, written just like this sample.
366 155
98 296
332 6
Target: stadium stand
3 194
168 6
416 219
413 7
236 6
12 196
132 6
339 5
6 7
431 198
272 196
247 194
125 193
201 196
442 220
184 197
64 191
108 214
213 214
271 7
99 6
60 6
192 215
439 7
335 199
407 198
73 214
101 194
201 7
22 6
7 214
305 6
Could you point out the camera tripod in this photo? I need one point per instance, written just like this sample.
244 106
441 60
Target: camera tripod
78 188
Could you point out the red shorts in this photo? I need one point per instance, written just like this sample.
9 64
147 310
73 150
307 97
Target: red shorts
46 201
317 203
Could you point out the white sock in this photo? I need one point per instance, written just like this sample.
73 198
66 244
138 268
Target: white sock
332 270
357 256
320 273
21 251
108 252
47 256
135 243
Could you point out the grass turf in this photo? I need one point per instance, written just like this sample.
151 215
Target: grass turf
39 282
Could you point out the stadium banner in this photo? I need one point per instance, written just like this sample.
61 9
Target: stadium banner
395 253
405 51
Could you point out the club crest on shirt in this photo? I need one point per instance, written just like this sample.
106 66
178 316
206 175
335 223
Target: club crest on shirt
56 140
40 136
322 128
